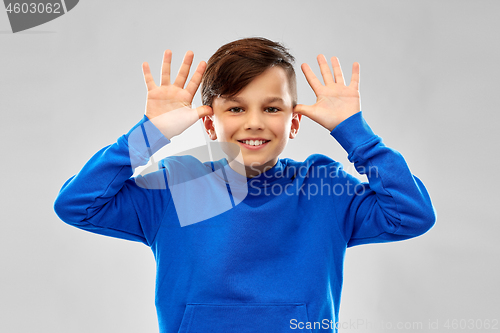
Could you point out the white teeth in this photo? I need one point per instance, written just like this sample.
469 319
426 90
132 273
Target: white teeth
254 142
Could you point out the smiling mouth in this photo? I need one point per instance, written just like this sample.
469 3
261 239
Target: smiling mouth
254 142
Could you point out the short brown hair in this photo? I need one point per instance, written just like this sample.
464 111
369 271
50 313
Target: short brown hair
236 64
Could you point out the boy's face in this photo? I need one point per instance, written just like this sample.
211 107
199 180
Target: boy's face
262 112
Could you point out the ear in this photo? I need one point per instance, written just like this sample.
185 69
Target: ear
295 125
208 122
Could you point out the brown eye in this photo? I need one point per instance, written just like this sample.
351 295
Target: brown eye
236 110
272 110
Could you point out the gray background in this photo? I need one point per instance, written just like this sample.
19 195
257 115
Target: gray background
429 87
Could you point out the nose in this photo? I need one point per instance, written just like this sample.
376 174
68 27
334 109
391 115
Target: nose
254 120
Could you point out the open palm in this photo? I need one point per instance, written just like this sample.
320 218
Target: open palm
335 101
168 105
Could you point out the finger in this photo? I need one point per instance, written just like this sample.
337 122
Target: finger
302 109
204 110
165 68
148 78
355 76
311 78
195 81
325 70
183 73
337 70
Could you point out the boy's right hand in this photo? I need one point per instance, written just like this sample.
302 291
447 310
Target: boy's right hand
168 106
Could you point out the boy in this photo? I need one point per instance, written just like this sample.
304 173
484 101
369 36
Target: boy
251 242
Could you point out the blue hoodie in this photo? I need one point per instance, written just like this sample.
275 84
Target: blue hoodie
262 254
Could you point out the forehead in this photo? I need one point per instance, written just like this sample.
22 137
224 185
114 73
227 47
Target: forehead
272 84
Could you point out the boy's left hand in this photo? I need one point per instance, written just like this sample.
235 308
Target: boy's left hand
335 101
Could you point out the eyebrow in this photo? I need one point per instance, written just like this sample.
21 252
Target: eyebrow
265 101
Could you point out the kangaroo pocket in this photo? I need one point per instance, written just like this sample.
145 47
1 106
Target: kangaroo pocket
243 318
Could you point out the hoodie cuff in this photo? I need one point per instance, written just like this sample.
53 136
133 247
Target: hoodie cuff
352 132
144 139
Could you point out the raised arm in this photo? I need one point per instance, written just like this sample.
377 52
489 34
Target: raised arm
102 197
394 205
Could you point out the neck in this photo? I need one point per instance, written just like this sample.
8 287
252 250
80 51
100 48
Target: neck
252 170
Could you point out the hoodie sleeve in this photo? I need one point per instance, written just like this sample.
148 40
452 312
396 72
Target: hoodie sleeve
394 205
104 198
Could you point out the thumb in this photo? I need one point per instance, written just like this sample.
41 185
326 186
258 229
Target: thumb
204 110
305 110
